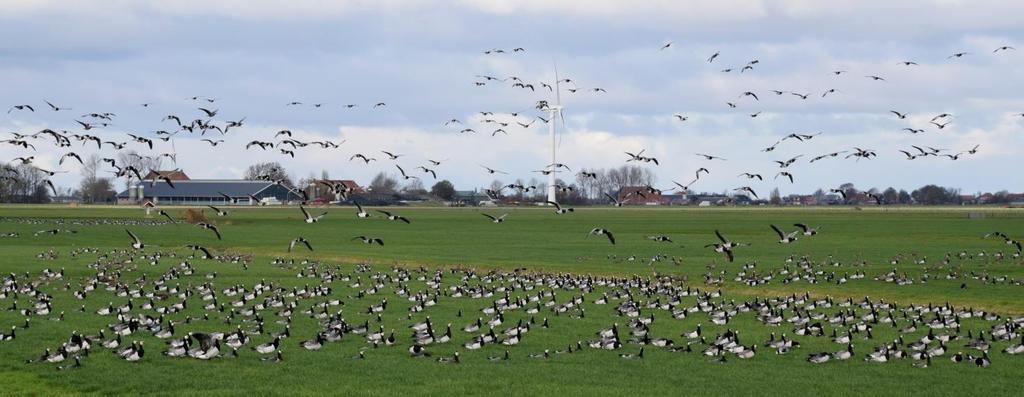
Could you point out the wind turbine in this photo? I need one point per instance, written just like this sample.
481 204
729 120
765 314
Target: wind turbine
553 112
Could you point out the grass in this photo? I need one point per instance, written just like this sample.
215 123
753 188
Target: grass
537 240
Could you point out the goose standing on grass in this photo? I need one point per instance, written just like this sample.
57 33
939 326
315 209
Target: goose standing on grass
310 218
819 358
630 356
135 352
785 238
276 358
418 351
268 347
983 361
454 359
844 354
496 359
315 343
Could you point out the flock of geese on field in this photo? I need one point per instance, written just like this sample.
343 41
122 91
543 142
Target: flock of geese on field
494 311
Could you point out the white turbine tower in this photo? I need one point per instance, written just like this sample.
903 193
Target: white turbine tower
554 113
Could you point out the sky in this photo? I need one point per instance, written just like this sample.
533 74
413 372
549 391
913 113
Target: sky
423 58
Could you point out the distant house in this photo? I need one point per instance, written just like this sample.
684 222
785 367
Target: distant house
799 199
319 188
705 200
207 192
471 197
1016 198
639 195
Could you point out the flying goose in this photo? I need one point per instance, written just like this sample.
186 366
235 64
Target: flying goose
211 227
558 208
499 219
136 243
599 231
428 171
808 231
660 238
230 199
394 217
218 211
299 239
369 240
493 171
747 189
710 157
404 176
614 201
310 218
785 238
359 211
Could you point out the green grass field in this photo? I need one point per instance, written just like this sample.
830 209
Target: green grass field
850 241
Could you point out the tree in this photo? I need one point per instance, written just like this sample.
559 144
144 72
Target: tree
904 197
267 171
92 188
498 186
890 195
819 196
383 183
98 190
444 189
934 195
775 198
415 186
23 184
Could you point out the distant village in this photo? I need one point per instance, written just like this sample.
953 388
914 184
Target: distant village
269 184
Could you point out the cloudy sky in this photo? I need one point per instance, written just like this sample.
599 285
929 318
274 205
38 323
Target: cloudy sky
422 58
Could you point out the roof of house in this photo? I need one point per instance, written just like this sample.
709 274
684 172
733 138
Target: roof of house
202 188
174 175
347 182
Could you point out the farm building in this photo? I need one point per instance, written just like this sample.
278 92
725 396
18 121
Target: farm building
207 192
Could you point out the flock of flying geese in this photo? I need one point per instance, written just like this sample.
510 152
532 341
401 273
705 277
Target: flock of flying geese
206 121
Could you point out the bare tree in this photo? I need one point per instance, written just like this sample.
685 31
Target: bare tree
383 183
267 171
23 184
142 163
414 186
